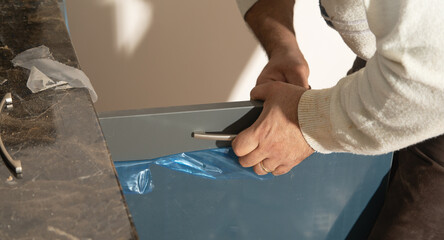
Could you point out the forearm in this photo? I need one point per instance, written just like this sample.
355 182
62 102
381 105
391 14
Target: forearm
272 23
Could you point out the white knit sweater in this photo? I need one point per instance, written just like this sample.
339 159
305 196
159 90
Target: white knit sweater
398 98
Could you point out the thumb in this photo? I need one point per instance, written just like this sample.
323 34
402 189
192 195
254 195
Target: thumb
261 92
298 79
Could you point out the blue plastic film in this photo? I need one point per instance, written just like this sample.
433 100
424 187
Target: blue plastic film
218 164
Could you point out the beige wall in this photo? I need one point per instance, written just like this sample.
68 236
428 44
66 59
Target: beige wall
193 51
152 53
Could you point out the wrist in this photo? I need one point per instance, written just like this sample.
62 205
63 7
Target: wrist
285 48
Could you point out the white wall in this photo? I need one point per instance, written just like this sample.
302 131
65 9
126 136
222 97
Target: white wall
151 53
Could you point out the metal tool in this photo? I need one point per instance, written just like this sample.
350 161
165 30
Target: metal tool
16 164
213 136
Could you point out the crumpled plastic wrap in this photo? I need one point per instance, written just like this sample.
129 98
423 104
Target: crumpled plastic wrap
218 164
48 73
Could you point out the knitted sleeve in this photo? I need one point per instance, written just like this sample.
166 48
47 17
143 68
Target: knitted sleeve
398 98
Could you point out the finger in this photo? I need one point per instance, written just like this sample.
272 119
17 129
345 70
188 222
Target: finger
261 92
298 77
252 158
262 168
281 170
267 78
270 164
248 140
245 142
261 81
259 170
263 78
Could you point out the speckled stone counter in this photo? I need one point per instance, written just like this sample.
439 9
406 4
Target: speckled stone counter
69 188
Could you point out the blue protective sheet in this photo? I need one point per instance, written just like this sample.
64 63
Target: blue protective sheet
220 163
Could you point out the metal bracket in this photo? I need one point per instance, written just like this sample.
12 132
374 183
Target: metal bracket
16 164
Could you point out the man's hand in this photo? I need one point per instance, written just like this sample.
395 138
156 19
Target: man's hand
289 66
274 142
275 139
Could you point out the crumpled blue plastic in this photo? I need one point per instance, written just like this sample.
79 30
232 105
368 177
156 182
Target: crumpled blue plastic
219 164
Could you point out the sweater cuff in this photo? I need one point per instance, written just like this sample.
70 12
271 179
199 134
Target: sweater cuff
314 120
245 5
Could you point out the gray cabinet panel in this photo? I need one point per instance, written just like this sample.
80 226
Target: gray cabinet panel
152 133
335 196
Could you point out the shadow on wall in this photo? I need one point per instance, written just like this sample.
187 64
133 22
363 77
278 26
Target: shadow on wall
152 53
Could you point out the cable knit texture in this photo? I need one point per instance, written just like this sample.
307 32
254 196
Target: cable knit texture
398 98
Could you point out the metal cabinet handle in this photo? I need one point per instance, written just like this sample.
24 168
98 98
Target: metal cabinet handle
213 136
16 164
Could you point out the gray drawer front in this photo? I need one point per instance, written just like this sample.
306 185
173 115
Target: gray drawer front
152 133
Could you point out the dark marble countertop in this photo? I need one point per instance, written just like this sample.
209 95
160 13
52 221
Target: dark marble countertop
69 188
